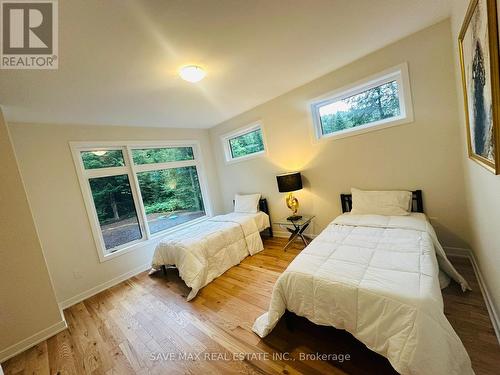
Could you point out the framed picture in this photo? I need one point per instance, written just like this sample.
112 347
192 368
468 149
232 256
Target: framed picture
478 43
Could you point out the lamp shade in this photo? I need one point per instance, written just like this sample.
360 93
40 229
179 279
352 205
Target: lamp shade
289 182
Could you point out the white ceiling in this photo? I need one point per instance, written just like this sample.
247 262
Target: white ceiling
119 58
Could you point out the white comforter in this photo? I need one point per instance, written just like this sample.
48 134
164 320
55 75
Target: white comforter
376 277
205 251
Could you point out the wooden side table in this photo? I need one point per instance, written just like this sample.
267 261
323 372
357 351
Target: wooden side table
296 228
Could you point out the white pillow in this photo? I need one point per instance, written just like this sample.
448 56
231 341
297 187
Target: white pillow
246 203
397 203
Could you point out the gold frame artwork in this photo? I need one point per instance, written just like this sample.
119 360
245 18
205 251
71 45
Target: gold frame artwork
494 82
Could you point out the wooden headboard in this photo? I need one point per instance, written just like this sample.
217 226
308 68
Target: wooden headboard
263 205
417 202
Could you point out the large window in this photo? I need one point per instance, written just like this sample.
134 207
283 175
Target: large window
244 143
380 101
135 192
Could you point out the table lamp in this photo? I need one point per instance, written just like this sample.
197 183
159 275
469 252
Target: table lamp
287 183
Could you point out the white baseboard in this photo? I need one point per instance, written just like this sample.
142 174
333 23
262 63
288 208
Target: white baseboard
31 341
99 288
467 253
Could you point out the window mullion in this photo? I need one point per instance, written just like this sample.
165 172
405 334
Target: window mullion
202 179
136 192
160 166
104 172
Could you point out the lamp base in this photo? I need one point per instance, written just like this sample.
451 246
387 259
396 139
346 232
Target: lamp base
294 217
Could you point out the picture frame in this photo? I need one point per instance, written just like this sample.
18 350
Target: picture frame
479 63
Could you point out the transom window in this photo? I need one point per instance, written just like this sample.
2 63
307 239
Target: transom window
244 143
135 192
380 101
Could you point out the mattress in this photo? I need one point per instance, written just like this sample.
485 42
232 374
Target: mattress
376 277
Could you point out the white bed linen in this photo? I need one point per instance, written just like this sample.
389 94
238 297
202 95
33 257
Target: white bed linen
376 277
261 219
206 250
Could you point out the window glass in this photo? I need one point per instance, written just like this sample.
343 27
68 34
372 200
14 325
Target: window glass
246 144
116 211
162 155
375 104
102 159
171 197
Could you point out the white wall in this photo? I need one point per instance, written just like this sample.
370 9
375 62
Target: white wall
28 308
51 182
482 188
425 154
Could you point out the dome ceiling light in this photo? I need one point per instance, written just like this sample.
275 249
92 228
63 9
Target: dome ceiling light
192 73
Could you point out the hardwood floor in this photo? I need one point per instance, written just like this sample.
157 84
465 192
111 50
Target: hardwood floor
144 325
469 317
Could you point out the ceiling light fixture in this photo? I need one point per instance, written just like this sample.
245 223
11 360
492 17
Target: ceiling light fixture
99 153
192 73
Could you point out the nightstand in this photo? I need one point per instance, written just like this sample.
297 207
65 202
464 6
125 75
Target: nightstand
296 228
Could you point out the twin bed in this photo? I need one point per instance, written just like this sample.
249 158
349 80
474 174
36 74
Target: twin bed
205 251
378 276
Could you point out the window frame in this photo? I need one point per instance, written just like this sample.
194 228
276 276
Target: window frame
398 73
130 169
225 138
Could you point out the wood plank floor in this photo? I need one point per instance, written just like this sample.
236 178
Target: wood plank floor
144 325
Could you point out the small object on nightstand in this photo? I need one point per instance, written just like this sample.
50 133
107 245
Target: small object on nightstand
296 227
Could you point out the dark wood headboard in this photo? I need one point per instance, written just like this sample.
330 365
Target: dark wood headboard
263 205
417 202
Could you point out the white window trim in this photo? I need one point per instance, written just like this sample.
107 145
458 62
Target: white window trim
238 132
399 73
131 170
